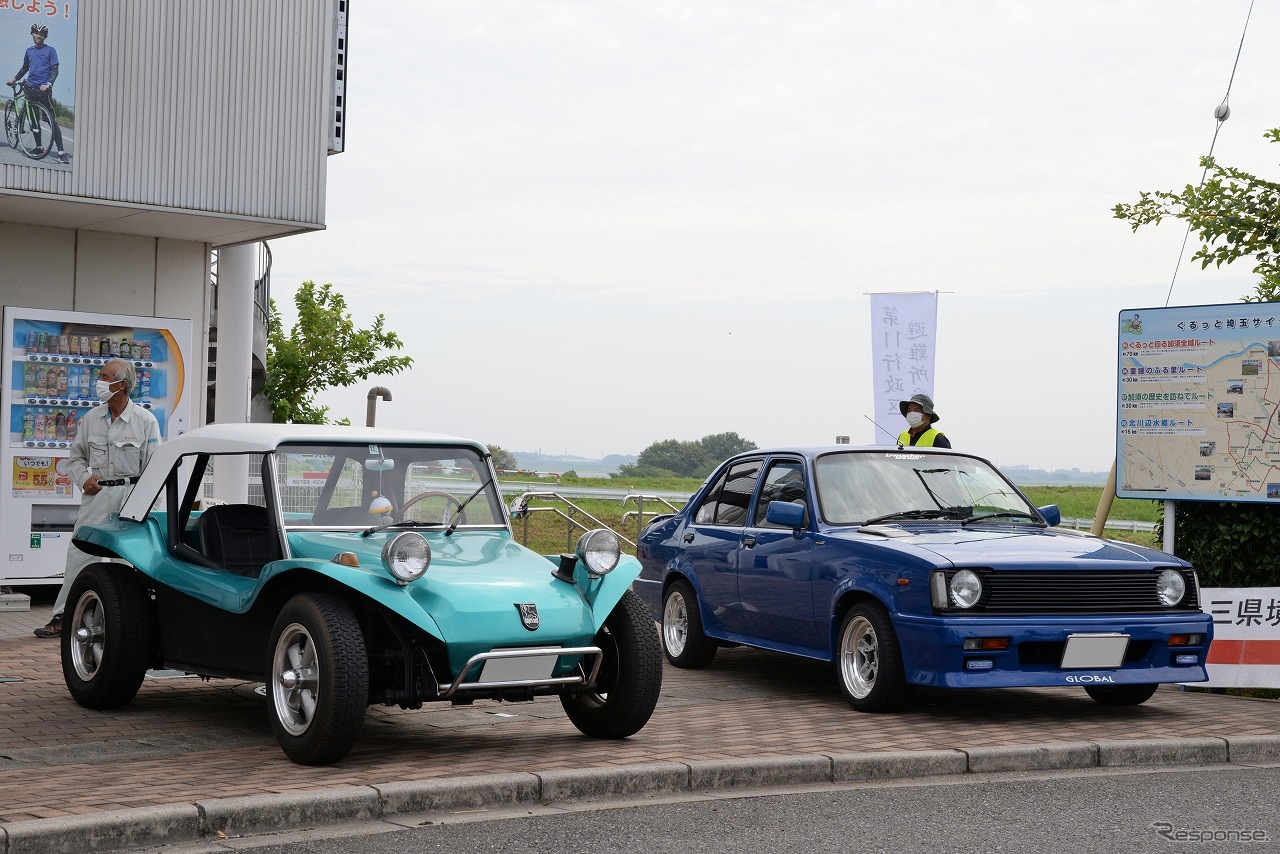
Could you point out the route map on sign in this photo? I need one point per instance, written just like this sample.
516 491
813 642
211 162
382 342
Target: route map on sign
1199 390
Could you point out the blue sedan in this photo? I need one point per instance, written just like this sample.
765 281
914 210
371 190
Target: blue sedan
915 567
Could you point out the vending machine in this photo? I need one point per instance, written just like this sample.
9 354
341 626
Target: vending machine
51 365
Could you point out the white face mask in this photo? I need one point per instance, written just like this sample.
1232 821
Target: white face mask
103 391
915 418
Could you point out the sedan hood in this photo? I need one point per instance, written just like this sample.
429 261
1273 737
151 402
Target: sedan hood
1014 546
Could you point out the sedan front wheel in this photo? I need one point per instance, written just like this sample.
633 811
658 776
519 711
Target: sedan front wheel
869 662
683 640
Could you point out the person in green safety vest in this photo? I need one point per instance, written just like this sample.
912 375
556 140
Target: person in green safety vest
921 417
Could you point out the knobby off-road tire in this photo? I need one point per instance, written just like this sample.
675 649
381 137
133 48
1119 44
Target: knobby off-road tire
630 679
683 640
317 679
1121 695
106 636
869 660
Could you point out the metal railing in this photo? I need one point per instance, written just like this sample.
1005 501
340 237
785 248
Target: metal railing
261 286
640 514
521 511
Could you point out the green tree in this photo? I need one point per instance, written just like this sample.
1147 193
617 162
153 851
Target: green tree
673 457
324 349
721 446
1236 215
682 458
503 460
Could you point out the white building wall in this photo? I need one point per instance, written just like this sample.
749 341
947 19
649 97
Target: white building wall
218 106
37 266
77 270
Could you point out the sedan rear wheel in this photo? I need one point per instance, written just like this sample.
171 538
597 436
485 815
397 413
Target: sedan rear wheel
869 663
683 640
318 679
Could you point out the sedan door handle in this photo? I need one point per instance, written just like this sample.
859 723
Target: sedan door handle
749 542
688 537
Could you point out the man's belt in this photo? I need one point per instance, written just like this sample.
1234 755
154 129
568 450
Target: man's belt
119 481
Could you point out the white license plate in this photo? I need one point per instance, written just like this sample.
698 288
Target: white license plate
518 669
1094 651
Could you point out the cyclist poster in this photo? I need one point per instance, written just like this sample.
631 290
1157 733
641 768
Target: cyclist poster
38 68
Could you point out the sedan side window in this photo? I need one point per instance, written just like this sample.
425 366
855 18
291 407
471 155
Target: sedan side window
726 503
783 482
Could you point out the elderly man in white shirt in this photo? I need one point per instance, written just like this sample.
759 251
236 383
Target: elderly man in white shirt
113 442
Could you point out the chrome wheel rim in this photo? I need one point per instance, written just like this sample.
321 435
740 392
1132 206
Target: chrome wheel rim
675 624
859 657
295 679
88 637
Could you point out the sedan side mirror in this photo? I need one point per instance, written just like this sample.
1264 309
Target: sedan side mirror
1051 514
785 514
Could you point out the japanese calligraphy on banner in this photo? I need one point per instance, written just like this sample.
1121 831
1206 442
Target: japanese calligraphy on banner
1197 404
1246 637
903 334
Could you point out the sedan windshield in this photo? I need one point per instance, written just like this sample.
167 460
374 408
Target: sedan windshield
865 487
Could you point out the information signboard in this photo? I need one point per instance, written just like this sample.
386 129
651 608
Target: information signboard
1198 393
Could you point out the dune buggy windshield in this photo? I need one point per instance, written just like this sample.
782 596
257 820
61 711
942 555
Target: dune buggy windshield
863 487
361 486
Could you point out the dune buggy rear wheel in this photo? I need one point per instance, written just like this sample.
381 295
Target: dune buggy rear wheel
106 636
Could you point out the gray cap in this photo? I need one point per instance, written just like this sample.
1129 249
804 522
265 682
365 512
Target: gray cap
925 403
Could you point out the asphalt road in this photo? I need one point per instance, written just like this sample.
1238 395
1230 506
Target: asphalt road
1185 809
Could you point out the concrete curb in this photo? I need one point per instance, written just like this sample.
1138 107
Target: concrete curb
248 816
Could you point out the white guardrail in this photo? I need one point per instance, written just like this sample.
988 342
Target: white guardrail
1116 524
513 488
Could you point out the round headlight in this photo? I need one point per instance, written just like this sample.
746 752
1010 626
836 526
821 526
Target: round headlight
966 588
599 550
407 555
1170 587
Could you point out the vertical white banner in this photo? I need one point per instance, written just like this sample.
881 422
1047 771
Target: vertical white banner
903 334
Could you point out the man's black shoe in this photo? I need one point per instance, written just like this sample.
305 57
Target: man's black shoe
53 630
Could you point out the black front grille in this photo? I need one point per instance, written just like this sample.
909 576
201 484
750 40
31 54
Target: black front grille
1078 592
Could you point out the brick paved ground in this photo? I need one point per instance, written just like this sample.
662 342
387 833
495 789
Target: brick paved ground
183 740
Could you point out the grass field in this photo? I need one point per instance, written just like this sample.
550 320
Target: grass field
550 532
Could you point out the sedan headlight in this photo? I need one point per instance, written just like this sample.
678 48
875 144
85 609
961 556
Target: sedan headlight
1170 587
599 550
966 588
407 556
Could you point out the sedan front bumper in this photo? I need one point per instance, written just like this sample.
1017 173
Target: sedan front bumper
934 651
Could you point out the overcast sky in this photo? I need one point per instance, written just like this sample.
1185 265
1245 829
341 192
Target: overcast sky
602 224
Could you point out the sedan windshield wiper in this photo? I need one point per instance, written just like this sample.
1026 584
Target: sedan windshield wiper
1007 514
403 523
910 514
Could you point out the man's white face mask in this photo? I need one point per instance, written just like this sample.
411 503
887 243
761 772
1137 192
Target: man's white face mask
915 418
103 391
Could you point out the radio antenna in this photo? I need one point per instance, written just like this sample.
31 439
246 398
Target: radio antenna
884 431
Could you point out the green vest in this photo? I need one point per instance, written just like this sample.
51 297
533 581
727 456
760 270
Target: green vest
925 440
